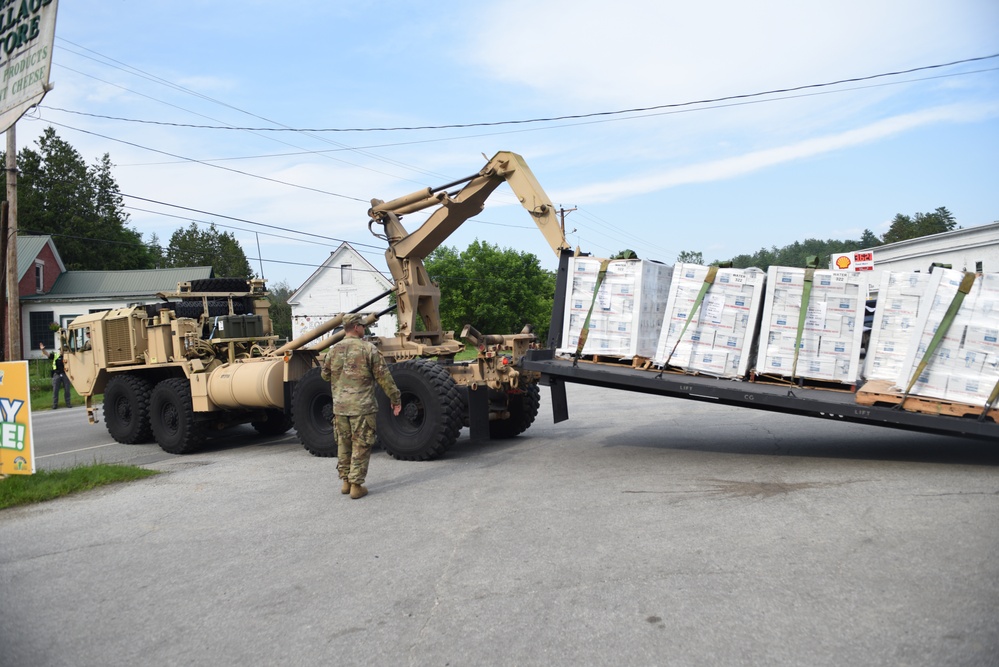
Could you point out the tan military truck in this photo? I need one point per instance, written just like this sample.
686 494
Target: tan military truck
205 358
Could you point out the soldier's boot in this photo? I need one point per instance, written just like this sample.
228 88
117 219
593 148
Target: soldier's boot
345 488
357 491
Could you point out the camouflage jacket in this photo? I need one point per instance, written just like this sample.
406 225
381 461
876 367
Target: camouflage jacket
353 366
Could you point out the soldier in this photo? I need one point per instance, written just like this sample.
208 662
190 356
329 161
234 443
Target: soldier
353 366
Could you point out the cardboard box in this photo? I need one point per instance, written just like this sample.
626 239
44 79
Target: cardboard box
627 309
830 345
723 327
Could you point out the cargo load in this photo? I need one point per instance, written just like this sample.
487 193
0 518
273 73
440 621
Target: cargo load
626 311
901 299
812 324
963 366
711 320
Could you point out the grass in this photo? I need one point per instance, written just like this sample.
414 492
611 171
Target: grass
49 484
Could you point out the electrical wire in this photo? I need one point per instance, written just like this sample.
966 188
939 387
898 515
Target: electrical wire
551 119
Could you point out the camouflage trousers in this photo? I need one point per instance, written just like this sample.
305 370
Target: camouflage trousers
355 436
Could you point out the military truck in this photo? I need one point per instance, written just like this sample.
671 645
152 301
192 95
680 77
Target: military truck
205 357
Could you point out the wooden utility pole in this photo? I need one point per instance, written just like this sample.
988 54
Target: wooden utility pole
13 349
561 215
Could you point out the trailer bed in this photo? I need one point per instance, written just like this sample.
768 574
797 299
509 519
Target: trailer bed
797 400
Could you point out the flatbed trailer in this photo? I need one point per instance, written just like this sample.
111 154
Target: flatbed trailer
837 405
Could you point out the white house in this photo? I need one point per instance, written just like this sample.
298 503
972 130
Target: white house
974 249
343 282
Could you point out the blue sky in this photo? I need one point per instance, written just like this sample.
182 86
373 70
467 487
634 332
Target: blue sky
722 179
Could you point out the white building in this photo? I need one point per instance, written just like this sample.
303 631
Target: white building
974 249
343 282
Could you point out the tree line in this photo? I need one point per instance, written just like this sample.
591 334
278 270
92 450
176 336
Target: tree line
83 208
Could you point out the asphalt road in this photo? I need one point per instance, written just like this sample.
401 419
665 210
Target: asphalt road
644 531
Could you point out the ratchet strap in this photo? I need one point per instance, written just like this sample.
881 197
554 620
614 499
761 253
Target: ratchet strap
955 305
586 323
806 296
705 286
989 403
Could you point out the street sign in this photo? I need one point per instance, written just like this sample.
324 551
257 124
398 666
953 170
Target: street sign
27 30
853 261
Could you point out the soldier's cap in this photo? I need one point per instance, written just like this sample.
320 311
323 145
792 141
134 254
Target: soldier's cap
350 319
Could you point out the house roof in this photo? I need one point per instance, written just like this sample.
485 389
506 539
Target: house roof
28 248
98 284
333 260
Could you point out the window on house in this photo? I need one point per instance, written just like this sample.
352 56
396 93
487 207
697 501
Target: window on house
38 329
346 275
978 267
39 276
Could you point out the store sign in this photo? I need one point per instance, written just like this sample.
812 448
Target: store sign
853 261
17 456
27 30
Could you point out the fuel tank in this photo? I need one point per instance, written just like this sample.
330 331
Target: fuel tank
254 383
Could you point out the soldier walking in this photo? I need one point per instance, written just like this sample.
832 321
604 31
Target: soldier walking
353 366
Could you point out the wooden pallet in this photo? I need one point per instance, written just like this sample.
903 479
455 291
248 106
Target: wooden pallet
633 362
879 392
807 383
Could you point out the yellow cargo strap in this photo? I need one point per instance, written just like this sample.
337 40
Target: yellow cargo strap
955 305
586 323
806 296
705 286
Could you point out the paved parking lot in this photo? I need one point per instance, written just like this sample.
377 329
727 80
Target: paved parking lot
644 531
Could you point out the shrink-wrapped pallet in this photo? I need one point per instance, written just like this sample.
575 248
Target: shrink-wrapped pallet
627 309
964 367
901 299
831 323
719 338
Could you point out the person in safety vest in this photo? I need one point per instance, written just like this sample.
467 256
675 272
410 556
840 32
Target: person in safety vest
58 376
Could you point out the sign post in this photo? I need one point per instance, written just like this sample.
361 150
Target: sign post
17 452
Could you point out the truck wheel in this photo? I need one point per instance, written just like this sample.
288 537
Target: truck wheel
431 415
219 285
126 409
312 413
275 423
172 417
523 407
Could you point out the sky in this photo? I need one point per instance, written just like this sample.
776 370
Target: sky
698 161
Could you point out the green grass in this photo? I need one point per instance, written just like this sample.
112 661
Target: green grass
49 484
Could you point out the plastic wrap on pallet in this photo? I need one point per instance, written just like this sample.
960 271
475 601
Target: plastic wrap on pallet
720 338
831 339
965 366
901 299
628 311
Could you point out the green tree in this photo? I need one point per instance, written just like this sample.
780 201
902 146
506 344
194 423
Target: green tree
904 227
280 311
208 247
496 290
58 194
690 257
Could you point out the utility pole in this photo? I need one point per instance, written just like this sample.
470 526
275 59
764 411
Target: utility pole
561 214
13 295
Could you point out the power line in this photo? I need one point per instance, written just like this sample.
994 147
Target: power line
550 119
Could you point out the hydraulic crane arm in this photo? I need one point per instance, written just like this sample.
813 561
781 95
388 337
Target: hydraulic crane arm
417 294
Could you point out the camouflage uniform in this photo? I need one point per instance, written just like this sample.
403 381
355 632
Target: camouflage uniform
353 366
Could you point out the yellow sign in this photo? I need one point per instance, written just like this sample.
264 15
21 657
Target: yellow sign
17 456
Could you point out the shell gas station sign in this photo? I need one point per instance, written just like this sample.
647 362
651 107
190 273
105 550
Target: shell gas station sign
17 455
853 261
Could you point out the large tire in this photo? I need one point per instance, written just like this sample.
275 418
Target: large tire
219 285
523 406
312 413
172 417
275 423
192 309
431 412
126 409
